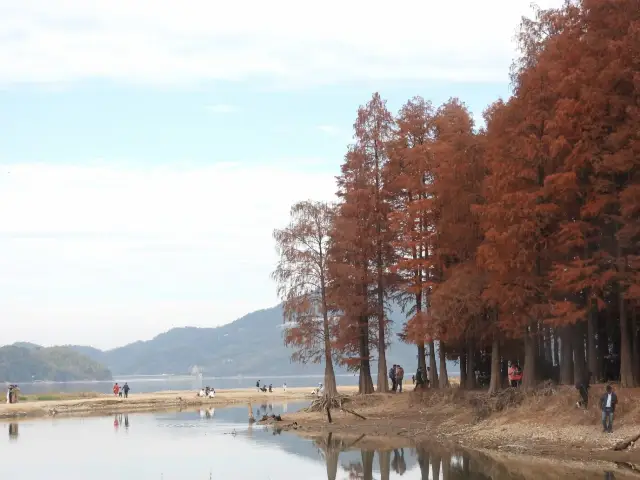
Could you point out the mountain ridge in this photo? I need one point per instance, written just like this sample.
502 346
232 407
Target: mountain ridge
251 345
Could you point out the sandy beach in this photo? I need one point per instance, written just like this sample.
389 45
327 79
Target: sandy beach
89 404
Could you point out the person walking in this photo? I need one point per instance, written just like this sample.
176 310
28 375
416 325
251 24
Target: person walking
116 389
399 377
419 379
126 389
608 403
392 377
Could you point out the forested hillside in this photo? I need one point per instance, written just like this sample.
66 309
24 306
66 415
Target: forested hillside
27 362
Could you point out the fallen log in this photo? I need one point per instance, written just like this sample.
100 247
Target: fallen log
353 413
626 443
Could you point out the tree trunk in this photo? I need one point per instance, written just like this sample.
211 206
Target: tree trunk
635 345
592 354
463 368
433 369
383 384
494 383
556 347
529 377
579 364
384 458
626 368
422 358
603 349
566 357
444 375
471 366
330 388
365 384
548 358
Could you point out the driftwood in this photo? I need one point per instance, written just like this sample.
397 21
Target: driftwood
626 443
353 413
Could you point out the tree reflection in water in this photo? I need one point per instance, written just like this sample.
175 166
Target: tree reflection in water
13 431
440 462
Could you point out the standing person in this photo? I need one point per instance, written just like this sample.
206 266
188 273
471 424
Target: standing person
608 403
419 379
126 389
392 377
284 387
515 374
258 385
116 389
399 377
583 389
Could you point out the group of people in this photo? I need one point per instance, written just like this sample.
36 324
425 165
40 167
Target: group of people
265 388
12 393
207 392
396 375
121 391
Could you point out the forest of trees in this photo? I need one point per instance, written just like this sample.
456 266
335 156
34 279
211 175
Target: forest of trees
519 240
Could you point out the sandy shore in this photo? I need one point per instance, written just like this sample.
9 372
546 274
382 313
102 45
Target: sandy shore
170 400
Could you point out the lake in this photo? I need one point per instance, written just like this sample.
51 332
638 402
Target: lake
159 383
219 444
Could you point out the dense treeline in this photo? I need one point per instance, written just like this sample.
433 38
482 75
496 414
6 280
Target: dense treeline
517 241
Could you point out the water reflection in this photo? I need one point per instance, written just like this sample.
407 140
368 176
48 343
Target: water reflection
435 462
13 432
192 443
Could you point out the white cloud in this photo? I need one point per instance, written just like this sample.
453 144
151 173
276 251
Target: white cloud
176 42
108 254
222 108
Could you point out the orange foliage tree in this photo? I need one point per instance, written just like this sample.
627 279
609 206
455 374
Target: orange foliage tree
302 278
517 242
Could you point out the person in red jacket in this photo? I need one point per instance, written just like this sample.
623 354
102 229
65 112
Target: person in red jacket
116 389
515 374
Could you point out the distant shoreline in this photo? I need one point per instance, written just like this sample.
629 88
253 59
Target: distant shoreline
94 404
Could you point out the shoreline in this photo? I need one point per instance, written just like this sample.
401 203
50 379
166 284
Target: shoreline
542 425
95 404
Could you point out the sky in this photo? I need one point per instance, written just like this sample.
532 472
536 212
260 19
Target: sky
149 148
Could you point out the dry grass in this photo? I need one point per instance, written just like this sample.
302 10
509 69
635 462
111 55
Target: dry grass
545 420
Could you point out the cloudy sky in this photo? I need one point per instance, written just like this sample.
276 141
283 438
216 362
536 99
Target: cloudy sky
149 148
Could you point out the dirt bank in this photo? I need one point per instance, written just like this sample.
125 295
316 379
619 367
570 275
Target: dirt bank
543 423
88 404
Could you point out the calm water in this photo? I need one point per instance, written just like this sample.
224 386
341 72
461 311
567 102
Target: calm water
162 383
218 444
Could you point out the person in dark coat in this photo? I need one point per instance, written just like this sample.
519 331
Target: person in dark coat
126 389
583 389
392 377
608 403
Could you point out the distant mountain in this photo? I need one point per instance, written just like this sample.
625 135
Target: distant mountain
251 345
22 362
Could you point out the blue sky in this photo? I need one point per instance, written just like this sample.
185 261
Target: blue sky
148 149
